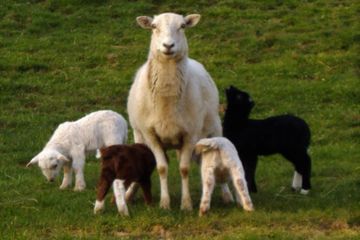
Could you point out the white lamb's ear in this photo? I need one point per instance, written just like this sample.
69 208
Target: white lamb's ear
33 161
144 22
192 19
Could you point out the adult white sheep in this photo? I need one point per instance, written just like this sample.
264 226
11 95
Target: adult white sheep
72 140
173 102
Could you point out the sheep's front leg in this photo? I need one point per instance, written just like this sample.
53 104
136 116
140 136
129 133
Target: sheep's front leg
119 193
78 166
185 157
243 197
67 180
161 165
208 183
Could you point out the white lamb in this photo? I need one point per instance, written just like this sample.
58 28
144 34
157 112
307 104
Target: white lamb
72 140
173 101
220 163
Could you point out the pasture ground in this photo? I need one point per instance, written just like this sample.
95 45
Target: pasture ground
61 59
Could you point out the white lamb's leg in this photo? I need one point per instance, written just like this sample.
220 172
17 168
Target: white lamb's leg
226 193
185 158
119 193
130 192
297 181
242 190
78 166
208 183
67 180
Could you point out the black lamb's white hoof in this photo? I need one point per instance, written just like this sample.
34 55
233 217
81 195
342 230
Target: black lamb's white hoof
304 191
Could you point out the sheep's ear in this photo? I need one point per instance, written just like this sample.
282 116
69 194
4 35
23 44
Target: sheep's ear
33 161
63 158
192 19
144 22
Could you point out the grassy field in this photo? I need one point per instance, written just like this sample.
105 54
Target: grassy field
61 59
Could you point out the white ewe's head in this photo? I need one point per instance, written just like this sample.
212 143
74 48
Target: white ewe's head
168 39
50 163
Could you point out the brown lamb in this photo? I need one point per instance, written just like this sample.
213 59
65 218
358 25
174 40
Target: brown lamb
125 167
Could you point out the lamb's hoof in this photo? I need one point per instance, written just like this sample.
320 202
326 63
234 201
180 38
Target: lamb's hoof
249 208
202 211
227 198
165 203
99 207
63 187
186 204
124 212
304 191
79 188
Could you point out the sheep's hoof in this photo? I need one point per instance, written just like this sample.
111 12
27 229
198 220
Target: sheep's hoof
165 203
186 204
64 186
99 206
227 198
124 212
249 208
202 211
304 191
79 188
97 210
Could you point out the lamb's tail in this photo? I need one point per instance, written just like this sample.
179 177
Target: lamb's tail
206 144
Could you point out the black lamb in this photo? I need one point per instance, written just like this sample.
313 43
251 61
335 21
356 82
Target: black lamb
284 134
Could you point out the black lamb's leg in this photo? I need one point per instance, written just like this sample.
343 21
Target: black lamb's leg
249 162
302 163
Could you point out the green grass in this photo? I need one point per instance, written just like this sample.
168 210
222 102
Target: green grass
61 59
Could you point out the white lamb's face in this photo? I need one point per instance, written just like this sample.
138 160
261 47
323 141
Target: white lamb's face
168 37
50 164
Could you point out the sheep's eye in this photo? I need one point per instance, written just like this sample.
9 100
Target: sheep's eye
183 25
153 26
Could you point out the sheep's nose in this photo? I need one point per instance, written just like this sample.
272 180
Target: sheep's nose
168 46
51 180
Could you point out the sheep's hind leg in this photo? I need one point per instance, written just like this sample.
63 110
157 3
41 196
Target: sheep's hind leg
226 193
208 183
146 187
131 190
297 181
102 189
242 190
302 163
119 192
67 180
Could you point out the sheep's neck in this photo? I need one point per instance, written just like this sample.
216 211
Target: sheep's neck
166 79
233 116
